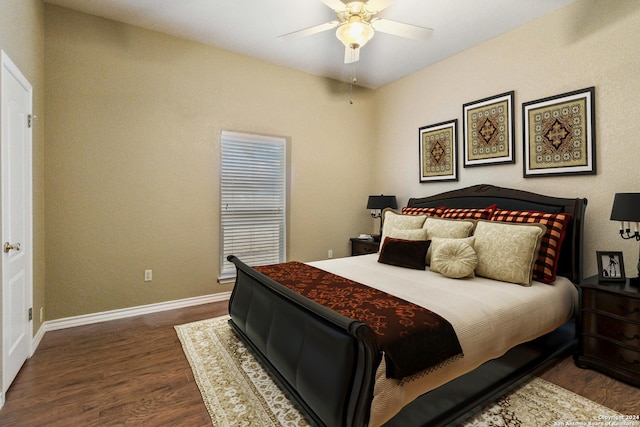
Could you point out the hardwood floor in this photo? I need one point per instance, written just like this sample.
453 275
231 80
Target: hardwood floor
122 372
133 372
595 386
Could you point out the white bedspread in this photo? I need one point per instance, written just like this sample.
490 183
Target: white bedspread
489 317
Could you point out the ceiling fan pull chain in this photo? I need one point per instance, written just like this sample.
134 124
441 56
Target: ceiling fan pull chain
353 81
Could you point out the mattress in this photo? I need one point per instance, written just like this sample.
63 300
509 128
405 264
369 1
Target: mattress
489 318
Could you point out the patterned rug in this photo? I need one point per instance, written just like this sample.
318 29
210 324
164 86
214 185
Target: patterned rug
237 391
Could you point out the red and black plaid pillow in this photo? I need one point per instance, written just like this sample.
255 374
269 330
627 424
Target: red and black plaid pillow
464 213
546 265
433 212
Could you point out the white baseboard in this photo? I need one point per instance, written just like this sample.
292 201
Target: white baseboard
88 319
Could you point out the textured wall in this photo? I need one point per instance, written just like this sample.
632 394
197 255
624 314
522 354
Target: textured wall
589 43
134 120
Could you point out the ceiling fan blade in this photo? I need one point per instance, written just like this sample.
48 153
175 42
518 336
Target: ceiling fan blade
336 5
310 31
376 6
351 55
400 29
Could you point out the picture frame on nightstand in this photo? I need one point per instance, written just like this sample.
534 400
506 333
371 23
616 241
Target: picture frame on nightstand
610 266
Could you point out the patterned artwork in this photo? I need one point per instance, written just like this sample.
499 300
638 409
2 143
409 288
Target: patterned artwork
438 155
488 130
559 135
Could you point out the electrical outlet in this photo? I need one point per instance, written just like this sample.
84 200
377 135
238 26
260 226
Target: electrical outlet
330 253
148 275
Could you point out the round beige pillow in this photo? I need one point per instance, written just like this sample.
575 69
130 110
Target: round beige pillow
454 258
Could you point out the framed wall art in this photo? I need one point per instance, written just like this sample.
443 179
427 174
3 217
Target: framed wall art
488 130
610 266
559 135
438 151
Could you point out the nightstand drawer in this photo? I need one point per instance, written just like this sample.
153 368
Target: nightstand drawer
619 305
609 329
619 330
363 247
612 354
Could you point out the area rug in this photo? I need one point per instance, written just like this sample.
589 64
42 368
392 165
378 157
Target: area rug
237 391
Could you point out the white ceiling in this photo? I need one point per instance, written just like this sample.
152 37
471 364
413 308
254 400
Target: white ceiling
252 27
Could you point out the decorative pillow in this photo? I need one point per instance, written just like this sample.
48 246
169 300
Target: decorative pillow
404 253
419 234
424 211
507 251
452 228
548 258
436 241
454 258
393 220
447 228
460 213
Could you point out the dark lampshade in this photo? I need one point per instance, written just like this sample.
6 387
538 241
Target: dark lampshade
382 202
626 207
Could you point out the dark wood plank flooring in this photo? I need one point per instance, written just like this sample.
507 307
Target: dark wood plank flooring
123 372
595 386
133 372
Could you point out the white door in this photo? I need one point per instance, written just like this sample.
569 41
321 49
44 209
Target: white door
16 249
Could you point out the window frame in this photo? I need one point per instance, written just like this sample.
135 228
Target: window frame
238 140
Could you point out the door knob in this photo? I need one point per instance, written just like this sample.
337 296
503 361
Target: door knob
8 246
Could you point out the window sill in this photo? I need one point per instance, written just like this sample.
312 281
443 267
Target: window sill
226 280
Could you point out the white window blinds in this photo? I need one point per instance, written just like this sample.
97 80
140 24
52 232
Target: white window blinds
253 200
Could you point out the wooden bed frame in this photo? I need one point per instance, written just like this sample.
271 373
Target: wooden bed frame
326 362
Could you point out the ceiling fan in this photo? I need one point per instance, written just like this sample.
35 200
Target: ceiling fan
357 24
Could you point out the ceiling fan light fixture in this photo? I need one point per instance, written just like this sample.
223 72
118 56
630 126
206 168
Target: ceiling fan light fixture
354 33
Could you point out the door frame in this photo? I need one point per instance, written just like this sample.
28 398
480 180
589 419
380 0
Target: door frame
7 66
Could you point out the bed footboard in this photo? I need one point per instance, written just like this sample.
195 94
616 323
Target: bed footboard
326 361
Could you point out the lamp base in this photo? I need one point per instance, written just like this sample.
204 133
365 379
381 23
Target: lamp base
635 282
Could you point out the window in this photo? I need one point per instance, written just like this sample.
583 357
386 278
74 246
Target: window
252 200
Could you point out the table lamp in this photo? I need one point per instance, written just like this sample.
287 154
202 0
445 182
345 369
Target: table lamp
626 209
378 203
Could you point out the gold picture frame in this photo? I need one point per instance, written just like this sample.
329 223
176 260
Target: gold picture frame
559 135
438 151
488 127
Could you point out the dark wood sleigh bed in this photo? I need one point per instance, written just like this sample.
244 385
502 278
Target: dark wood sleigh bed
327 362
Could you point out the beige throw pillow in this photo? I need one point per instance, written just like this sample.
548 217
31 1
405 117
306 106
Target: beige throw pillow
454 258
507 251
451 228
392 220
447 228
419 234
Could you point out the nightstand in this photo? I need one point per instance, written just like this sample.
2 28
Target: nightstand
364 246
609 329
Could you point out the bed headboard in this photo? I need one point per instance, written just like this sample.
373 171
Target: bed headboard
484 195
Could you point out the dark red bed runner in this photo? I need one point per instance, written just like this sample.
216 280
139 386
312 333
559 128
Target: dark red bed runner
412 338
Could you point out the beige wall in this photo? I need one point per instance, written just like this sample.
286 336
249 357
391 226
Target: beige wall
133 125
133 120
22 39
589 43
